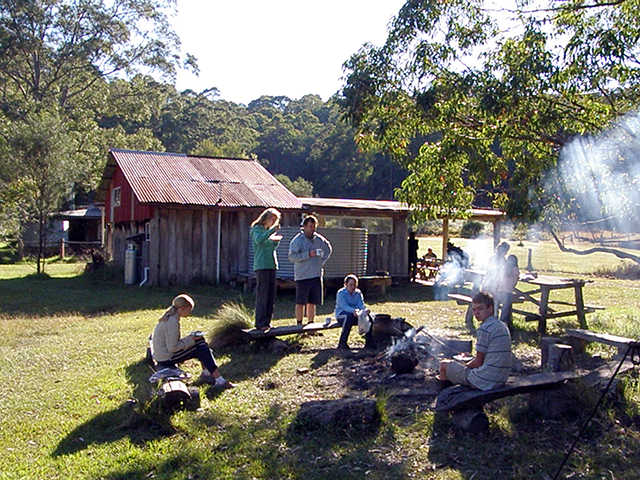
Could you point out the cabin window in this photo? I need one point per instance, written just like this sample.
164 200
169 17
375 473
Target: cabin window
116 196
374 225
147 231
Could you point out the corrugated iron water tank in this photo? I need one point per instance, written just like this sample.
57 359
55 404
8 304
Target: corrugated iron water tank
349 251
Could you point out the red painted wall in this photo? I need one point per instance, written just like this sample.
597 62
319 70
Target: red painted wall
130 209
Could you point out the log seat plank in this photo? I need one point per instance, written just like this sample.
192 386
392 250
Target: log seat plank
460 397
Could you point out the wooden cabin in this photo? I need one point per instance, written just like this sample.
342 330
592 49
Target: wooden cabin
175 219
186 217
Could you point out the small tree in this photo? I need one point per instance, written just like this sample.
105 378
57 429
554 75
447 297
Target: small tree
43 174
299 187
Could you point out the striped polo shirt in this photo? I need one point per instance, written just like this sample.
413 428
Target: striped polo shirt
494 340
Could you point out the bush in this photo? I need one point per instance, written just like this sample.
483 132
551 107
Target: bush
471 229
625 270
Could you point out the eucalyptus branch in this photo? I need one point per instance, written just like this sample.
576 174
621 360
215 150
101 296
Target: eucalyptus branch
617 253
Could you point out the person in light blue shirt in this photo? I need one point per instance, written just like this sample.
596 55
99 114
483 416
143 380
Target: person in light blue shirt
350 304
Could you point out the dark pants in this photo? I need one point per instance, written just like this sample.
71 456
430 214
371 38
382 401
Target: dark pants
506 299
265 296
200 350
348 320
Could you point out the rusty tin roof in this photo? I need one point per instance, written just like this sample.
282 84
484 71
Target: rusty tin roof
174 178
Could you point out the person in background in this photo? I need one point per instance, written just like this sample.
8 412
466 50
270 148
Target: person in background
413 245
308 251
350 304
491 366
430 255
168 349
265 264
507 281
492 276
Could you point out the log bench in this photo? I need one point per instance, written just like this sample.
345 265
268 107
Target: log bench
622 343
466 403
255 333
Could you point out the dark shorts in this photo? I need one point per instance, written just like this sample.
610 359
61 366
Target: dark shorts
309 290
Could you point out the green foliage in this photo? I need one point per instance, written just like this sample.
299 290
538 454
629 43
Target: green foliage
42 174
501 91
471 229
299 187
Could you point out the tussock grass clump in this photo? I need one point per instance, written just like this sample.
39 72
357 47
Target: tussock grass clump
228 324
626 270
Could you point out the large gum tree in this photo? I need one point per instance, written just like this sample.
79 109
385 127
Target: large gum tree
479 98
60 63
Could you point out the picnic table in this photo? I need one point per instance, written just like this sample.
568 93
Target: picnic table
545 285
541 297
428 268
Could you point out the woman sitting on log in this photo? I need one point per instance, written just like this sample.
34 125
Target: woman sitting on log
169 349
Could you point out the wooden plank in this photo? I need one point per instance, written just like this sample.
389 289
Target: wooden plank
605 338
204 245
460 298
170 241
535 317
196 247
186 247
154 249
163 262
291 329
460 397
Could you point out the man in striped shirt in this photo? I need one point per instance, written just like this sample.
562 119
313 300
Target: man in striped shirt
491 366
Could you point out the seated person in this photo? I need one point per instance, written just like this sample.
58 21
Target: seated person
168 348
349 304
491 366
430 255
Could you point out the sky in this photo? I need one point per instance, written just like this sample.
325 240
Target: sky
249 48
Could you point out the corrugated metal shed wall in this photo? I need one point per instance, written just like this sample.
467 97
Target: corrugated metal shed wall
349 252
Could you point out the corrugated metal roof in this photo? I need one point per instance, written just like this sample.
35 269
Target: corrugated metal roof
387 205
172 178
351 203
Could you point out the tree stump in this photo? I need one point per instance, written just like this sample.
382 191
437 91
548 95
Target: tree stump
472 420
545 343
175 394
560 358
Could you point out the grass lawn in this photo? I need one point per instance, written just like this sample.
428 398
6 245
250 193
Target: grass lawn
76 402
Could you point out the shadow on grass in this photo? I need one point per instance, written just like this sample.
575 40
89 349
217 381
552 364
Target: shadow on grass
141 419
45 296
248 361
249 448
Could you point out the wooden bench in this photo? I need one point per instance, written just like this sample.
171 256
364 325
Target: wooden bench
255 333
535 317
462 299
622 343
466 403
374 284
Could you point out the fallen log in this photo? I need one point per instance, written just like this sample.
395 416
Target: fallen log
255 333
